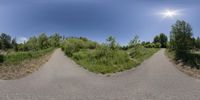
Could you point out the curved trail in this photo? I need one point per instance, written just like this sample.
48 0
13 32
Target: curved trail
61 79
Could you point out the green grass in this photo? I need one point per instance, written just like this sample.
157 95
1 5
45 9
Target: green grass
101 58
18 57
104 60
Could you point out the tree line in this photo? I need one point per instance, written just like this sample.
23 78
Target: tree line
34 43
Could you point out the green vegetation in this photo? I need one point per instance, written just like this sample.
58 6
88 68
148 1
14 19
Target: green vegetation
161 40
183 46
108 57
12 53
18 57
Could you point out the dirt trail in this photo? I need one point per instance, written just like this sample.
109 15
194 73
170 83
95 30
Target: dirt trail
62 79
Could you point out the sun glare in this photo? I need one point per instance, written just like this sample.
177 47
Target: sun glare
170 13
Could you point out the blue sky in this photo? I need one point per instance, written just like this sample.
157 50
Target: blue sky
95 19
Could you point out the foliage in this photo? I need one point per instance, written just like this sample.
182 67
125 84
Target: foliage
161 39
32 43
181 36
107 57
72 45
135 42
14 44
111 42
104 60
18 57
5 41
54 40
187 58
156 39
43 41
182 44
197 43
151 45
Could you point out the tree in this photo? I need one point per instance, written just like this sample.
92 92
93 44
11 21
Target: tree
134 42
54 40
163 40
43 41
156 39
181 36
5 41
197 43
32 43
14 44
111 42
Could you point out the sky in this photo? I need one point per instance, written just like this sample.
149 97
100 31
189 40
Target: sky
96 19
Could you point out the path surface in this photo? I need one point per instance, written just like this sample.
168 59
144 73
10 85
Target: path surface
61 79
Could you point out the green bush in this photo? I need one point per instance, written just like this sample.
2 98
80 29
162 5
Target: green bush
103 60
72 45
157 45
1 58
188 58
18 57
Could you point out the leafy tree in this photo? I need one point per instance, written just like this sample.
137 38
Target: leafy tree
32 43
181 36
156 45
162 39
156 39
55 39
135 42
5 41
197 43
14 44
43 41
111 42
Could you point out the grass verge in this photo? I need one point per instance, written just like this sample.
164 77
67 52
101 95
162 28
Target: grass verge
188 67
110 61
20 64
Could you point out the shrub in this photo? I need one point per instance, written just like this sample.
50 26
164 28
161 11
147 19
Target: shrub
157 45
103 60
18 57
1 58
72 45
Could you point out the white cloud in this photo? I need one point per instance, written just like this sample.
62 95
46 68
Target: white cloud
22 39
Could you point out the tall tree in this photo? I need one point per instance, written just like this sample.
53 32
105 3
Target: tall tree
134 42
5 41
111 42
14 44
181 36
43 41
32 43
163 40
156 39
197 43
55 39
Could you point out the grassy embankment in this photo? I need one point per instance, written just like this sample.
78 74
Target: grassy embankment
191 58
18 57
19 64
99 58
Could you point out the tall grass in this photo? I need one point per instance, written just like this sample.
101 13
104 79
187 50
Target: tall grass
189 58
102 58
18 57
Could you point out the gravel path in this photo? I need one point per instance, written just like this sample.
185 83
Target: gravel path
61 79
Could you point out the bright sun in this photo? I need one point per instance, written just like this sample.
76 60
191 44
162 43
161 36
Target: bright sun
170 13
